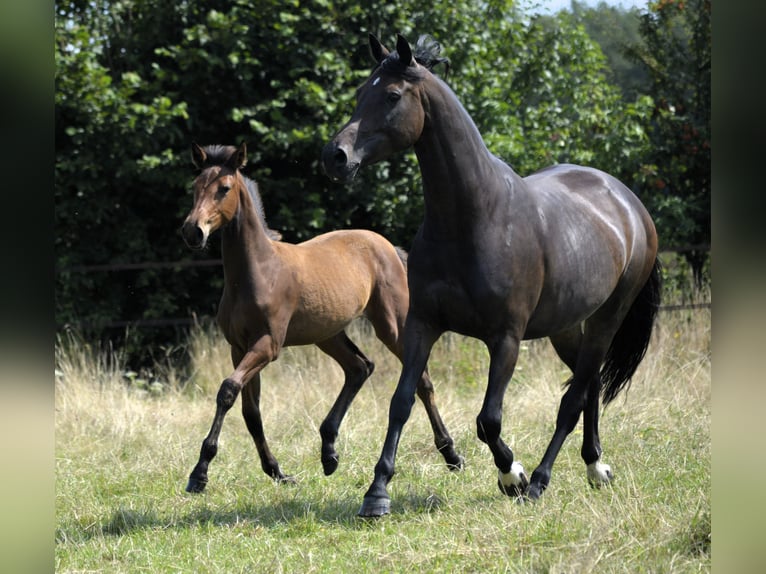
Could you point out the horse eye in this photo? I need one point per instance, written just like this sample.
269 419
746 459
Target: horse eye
393 97
223 190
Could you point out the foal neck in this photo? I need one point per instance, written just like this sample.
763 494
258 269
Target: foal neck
244 240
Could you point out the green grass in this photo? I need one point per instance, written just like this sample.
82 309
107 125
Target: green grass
124 450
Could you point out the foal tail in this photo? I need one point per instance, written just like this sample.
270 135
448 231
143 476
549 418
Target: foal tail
629 344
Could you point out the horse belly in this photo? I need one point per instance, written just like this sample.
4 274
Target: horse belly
566 303
320 317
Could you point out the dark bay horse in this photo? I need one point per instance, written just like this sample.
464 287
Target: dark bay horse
278 294
567 253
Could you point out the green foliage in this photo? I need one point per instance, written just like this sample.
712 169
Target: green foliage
676 170
138 80
616 32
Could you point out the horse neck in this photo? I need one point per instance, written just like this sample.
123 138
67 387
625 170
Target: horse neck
460 175
244 242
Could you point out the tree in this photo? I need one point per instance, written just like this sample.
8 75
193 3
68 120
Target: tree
138 80
676 52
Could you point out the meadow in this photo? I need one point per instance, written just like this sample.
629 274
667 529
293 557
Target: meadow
126 443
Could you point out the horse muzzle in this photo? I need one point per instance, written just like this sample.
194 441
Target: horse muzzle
337 164
194 236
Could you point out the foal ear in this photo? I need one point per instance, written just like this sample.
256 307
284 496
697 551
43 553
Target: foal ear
238 159
404 50
198 156
379 51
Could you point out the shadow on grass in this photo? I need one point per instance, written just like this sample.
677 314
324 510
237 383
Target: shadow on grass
301 513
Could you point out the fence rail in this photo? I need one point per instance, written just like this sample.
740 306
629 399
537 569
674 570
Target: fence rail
188 321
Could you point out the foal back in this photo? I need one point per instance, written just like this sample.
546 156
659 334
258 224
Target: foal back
342 275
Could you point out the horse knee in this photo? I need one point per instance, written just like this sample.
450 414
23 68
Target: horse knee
227 394
487 429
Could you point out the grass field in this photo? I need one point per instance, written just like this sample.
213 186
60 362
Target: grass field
125 446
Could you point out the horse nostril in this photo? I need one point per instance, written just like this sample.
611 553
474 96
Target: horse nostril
192 234
340 157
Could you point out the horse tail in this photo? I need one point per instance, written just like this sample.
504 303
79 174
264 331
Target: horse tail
632 339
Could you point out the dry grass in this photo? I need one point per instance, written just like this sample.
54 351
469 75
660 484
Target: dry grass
124 453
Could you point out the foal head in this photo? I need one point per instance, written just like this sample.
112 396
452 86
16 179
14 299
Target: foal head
390 108
218 190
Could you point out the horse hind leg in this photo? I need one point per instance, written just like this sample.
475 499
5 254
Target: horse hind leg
567 346
583 356
357 368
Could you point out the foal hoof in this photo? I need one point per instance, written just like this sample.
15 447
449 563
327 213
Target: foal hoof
514 482
195 485
286 479
457 465
330 465
375 507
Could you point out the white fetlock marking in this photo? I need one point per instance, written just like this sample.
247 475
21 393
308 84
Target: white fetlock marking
599 473
515 477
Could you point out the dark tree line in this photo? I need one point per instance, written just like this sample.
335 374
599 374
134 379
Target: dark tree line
138 80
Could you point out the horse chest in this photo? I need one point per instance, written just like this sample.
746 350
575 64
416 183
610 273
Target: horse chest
458 295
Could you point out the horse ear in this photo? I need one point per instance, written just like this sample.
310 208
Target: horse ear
238 159
379 51
404 50
198 156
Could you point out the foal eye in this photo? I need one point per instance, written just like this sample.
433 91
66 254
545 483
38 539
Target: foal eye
393 97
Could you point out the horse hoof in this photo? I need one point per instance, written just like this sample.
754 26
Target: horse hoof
330 465
599 474
195 485
286 479
457 465
375 507
534 492
514 482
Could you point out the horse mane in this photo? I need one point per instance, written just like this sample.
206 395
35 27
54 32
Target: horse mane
425 52
218 155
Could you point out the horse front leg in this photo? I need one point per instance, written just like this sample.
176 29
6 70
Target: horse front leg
252 362
418 343
512 479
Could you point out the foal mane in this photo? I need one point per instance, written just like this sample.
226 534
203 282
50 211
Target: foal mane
218 155
425 52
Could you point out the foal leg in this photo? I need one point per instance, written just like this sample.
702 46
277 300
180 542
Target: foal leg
252 362
388 328
251 411
357 368
444 443
512 480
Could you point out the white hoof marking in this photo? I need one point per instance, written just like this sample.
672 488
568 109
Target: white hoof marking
515 477
599 473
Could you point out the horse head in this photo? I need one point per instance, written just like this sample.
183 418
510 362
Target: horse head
390 108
